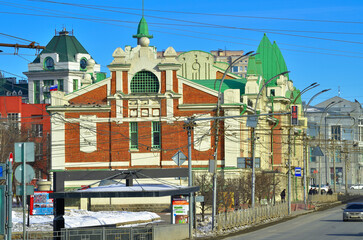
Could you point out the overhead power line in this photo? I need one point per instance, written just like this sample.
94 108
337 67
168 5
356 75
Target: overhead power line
200 23
220 15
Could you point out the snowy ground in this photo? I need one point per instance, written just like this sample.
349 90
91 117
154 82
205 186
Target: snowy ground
82 218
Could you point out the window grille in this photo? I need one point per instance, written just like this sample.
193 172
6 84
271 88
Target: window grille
144 82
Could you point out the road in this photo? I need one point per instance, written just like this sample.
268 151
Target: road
322 225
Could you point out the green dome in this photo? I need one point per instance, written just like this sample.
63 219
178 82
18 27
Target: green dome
142 30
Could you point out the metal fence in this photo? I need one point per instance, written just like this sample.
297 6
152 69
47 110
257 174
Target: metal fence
250 216
136 233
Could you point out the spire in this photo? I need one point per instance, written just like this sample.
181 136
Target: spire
142 30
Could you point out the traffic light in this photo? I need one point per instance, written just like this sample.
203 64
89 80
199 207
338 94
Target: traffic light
294 118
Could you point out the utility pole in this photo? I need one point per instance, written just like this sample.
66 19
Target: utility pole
305 166
190 180
289 171
334 171
346 167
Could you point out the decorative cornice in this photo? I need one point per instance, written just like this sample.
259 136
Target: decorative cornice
73 108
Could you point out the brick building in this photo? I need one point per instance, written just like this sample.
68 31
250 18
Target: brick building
135 118
28 123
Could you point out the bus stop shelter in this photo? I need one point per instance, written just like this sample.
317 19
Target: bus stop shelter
114 190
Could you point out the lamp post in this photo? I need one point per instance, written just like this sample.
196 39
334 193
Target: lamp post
216 123
305 144
253 126
326 164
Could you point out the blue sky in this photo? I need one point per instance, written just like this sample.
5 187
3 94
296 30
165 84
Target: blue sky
334 62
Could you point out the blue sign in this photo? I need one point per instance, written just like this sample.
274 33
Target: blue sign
2 171
298 172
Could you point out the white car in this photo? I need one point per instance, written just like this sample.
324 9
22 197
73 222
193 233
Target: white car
323 187
356 187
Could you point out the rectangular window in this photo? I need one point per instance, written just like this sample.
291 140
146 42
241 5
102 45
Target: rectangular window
235 69
13 119
134 141
243 162
272 92
156 135
60 85
338 175
48 83
38 151
36 91
37 130
312 158
360 129
337 157
75 84
313 131
335 133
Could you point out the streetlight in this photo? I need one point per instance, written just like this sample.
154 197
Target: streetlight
216 123
313 97
311 86
305 160
326 163
253 125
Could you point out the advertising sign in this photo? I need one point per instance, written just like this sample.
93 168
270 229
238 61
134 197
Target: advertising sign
41 204
180 205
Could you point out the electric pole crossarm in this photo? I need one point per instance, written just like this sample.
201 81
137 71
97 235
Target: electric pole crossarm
32 45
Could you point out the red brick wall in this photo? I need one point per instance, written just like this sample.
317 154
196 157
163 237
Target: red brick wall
175 82
125 82
219 75
193 96
163 82
113 83
98 96
277 142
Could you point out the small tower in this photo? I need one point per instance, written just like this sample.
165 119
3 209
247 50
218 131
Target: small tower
143 37
64 62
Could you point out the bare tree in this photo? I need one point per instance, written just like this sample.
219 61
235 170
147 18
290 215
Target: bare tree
204 182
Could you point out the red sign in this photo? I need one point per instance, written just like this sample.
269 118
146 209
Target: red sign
11 157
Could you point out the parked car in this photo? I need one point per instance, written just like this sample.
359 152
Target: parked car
353 211
357 187
324 188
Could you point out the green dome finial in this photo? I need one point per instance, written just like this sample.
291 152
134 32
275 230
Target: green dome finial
142 30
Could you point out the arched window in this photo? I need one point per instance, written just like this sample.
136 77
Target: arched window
83 64
144 82
49 63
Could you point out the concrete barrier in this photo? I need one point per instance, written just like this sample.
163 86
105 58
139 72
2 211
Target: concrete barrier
171 232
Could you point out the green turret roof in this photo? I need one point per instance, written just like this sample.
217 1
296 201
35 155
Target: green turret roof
142 30
66 46
271 60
